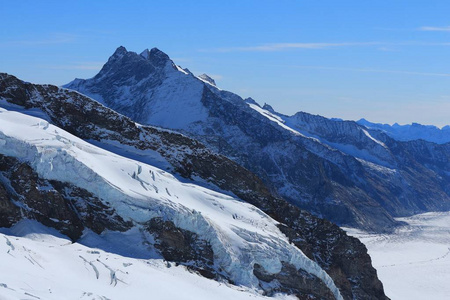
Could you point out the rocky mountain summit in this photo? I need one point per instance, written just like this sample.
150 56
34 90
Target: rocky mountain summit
342 259
340 170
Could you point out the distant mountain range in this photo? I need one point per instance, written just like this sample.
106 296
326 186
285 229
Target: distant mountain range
412 131
354 175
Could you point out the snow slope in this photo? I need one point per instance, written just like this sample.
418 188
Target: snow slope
240 234
172 91
42 264
318 129
414 262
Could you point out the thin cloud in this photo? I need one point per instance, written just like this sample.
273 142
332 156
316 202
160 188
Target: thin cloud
286 46
430 28
181 59
374 71
213 76
216 76
313 46
387 49
80 66
55 39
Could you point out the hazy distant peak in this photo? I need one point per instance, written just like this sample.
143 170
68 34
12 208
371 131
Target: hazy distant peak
250 100
208 79
145 54
268 107
410 132
186 70
120 51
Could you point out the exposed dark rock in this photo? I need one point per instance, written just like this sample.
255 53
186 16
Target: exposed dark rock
9 212
183 246
69 209
329 187
93 213
344 258
294 282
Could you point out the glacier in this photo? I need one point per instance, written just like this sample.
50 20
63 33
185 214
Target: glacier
413 261
43 264
240 234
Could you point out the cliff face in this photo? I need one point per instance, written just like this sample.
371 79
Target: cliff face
60 205
343 258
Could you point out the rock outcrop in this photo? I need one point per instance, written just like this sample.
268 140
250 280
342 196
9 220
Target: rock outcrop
65 207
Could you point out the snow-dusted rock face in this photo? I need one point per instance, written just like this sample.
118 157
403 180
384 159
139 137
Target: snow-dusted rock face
319 240
163 89
335 169
412 131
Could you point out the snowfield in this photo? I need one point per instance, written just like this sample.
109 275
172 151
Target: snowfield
414 262
39 263
240 234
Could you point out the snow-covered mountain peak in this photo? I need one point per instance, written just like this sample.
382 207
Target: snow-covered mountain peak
155 52
145 54
129 63
155 56
268 107
250 100
119 53
163 88
186 70
120 50
207 78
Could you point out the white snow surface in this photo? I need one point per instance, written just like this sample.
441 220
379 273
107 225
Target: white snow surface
173 104
414 262
39 263
239 233
274 118
177 98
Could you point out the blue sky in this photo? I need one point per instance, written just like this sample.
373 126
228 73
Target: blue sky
386 61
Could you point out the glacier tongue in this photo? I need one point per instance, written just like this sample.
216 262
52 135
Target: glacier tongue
240 234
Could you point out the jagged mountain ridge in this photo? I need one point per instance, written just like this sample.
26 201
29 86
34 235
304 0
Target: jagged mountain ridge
412 131
321 241
335 169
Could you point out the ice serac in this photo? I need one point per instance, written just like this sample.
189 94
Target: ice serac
44 264
321 241
209 232
336 169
